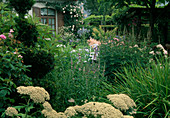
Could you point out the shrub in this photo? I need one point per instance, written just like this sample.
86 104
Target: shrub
115 56
21 8
41 62
6 18
12 71
27 33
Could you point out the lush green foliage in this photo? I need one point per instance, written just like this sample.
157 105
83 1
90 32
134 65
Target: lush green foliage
98 7
73 78
27 33
149 87
6 18
96 20
21 8
117 56
15 42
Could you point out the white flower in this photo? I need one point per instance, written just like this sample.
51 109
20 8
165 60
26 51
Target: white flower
157 52
87 50
160 46
165 52
73 51
152 52
136 46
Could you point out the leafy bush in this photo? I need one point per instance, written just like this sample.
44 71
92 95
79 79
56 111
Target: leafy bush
27 33
117 55
6 18
21 8
41 62
12 71
149 87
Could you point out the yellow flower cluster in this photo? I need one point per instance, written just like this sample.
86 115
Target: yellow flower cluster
49 112
10 111
121 101
37 94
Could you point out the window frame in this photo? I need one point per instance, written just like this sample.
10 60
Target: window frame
37 11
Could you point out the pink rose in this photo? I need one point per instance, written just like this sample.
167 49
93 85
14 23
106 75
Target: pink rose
2 36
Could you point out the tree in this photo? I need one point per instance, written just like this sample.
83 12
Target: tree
97 7
149 4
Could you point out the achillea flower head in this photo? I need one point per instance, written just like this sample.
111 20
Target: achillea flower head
70 111
121 101
49 112
37 94
47 106
99 109
10 111
127 116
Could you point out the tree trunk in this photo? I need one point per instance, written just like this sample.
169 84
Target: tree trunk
152 22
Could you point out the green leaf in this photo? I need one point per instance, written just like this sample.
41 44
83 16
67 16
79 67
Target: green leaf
19 107
3 93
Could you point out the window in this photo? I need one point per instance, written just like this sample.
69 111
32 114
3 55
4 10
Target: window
47 16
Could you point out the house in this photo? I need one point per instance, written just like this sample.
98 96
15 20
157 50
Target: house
48 14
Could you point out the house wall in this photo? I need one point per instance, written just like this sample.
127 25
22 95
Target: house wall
57 15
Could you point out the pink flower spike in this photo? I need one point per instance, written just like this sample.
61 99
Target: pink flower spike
2 36
11 31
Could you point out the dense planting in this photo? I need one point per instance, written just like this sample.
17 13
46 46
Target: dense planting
84 71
